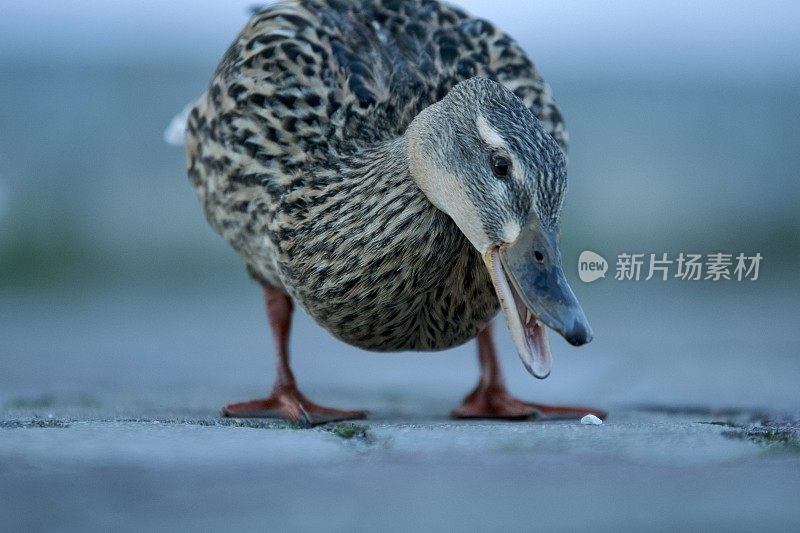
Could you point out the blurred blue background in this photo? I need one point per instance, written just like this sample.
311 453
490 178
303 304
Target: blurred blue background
684 137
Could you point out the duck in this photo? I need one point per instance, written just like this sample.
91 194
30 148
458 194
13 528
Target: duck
397 169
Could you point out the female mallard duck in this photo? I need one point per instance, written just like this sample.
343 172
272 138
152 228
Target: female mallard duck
396 168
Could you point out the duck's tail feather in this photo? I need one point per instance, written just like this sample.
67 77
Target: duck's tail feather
175 134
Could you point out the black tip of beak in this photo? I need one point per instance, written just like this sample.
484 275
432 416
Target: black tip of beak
579 335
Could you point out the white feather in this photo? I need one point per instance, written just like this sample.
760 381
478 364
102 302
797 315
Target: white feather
175 134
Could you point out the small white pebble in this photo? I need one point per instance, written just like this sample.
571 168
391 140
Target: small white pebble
591 419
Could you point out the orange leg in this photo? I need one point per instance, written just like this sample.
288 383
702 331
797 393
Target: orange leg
491 399
286 401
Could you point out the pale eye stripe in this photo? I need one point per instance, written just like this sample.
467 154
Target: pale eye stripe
490 135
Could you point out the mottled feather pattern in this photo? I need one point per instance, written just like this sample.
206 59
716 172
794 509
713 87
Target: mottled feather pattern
295 155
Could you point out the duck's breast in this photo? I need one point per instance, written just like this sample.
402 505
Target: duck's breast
387 272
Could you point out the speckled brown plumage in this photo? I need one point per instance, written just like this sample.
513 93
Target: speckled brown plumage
295 152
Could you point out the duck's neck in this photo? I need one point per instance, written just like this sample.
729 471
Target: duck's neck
384 162
382 181
400 219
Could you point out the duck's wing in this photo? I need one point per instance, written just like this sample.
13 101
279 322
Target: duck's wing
306 77
433 46
395 58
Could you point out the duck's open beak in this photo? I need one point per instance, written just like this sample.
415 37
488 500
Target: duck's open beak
534 293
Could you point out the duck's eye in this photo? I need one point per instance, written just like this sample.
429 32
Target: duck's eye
500 166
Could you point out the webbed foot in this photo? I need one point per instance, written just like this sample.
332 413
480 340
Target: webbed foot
288 403
494 401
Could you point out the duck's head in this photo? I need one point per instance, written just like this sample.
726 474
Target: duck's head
483 158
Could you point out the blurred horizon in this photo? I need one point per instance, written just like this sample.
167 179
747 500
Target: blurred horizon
720 39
